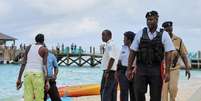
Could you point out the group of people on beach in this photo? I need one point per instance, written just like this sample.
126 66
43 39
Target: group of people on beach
148 58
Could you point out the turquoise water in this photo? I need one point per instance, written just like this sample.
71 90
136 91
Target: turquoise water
67 76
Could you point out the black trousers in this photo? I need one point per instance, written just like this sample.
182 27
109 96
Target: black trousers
108 89
148 76
126 86
53 92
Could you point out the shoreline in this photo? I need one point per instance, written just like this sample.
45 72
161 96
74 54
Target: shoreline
186 89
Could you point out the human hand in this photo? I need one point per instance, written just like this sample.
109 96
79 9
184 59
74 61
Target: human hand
116 75
129 74
47 86
188 73
18 84
134 71
167 77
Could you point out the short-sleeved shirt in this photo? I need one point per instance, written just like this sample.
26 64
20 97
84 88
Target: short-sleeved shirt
166 40
110 51
51 64
124 54
179 45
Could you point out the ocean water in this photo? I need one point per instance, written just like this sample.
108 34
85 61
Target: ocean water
67 76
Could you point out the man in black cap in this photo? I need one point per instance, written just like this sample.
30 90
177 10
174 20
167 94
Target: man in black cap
181 51
151 46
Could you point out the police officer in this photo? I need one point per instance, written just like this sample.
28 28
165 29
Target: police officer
151 46
181 51
126 86
109 63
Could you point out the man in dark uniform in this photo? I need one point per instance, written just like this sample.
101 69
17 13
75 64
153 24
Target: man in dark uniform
151 46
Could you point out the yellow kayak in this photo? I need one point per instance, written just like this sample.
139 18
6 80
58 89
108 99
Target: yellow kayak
79 90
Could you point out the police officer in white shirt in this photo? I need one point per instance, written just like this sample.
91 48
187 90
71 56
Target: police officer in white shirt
151 46
109 63
126 86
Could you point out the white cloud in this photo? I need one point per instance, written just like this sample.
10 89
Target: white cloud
191 37
77 18
88 25
4 8
61 29
60 6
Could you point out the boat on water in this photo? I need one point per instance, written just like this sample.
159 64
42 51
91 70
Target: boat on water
79 90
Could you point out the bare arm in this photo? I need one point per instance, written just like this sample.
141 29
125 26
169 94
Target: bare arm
168 61
110 64
131 59
23 63
56 70
118 64
45 60
183 54
19 82
44 53
187 65
129 71
185 60
21 72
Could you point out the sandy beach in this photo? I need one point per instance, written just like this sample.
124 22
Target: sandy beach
186 89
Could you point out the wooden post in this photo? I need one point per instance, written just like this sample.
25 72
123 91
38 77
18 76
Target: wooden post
14 42
90 50
80 59
94 51
67 56
198 59
92 58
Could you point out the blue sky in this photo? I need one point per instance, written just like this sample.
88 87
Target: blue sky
82 21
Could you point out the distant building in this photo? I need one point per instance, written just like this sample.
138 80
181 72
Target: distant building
3 39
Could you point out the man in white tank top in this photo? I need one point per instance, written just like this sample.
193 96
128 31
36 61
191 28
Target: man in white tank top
35 65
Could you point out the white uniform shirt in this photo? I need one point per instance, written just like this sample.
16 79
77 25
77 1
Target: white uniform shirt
123 57
110 52
166 40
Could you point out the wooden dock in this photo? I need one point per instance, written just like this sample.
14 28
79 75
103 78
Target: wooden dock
195 59
80 59
196 63
91 58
